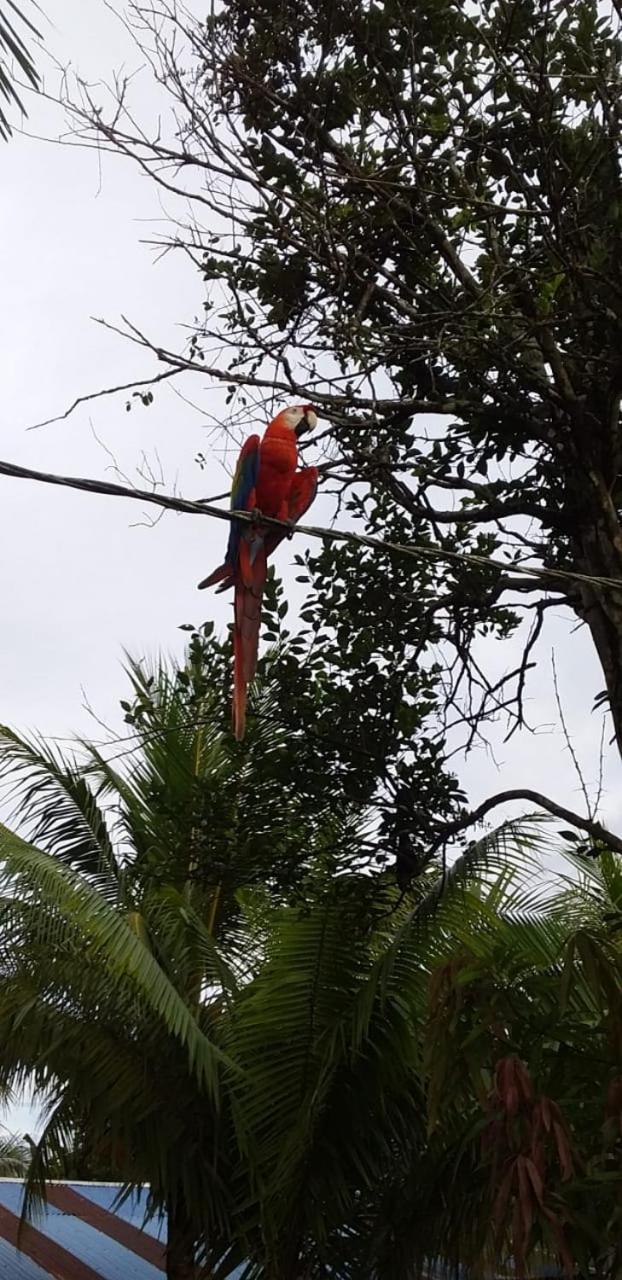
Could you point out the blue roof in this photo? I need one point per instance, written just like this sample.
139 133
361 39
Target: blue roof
80 1235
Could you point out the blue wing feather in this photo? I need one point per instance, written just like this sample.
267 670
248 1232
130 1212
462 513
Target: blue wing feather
244 482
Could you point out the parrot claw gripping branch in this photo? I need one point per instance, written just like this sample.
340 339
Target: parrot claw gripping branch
267 482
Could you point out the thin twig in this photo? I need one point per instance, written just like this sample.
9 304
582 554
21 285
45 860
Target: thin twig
107 391
573 754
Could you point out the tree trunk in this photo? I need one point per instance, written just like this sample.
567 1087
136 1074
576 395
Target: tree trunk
180 1252
599 554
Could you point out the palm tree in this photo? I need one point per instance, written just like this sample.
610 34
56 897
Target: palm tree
132 913
333 1110
197 978
446 1083
15 53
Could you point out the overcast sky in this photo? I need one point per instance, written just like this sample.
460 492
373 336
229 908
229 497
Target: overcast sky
78 581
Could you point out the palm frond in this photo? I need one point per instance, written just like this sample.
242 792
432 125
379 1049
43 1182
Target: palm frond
280 1035
55 807
187 949
28 871
454 904
13 48
14 1156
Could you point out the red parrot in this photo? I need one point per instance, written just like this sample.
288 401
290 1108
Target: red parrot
266 480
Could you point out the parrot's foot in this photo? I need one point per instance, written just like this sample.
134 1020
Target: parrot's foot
291 529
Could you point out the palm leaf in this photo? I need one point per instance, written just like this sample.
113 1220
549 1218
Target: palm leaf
450 905
28 871
278 1036
14 1156
325 1023
54 804
14 48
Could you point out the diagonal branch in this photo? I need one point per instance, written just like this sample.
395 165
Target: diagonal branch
106 391
592 828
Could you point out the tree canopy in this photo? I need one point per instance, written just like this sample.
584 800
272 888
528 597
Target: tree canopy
391 212
430 200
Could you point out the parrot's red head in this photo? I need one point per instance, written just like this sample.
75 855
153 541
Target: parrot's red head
298 418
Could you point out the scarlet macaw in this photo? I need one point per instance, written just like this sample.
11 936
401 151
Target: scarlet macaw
266 480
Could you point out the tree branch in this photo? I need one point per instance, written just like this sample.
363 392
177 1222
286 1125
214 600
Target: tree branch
332 401
106 391
592 828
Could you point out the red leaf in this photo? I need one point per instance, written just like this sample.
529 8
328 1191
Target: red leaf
502 1198
563 1151
525 1197
535 1179
561 1243
512 1083
518 1241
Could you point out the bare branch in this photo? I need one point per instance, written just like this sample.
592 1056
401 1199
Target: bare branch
107 391
568 739
594 829
337 404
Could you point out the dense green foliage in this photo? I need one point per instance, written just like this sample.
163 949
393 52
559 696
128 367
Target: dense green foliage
312 1075
139 910
437 233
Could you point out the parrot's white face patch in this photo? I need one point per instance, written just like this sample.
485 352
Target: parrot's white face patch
296 415
293 416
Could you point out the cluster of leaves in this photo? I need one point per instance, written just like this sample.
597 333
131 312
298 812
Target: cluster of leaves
354 697
14 1155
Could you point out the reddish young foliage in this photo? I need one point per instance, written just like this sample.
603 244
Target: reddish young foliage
528 1144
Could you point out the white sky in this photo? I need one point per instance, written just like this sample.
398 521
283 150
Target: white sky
78 583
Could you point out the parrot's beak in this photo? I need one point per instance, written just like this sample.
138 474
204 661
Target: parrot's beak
308 422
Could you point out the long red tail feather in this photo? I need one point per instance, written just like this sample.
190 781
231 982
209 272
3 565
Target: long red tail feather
223 571
247 619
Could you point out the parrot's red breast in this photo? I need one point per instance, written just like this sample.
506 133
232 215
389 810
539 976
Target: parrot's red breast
278 460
